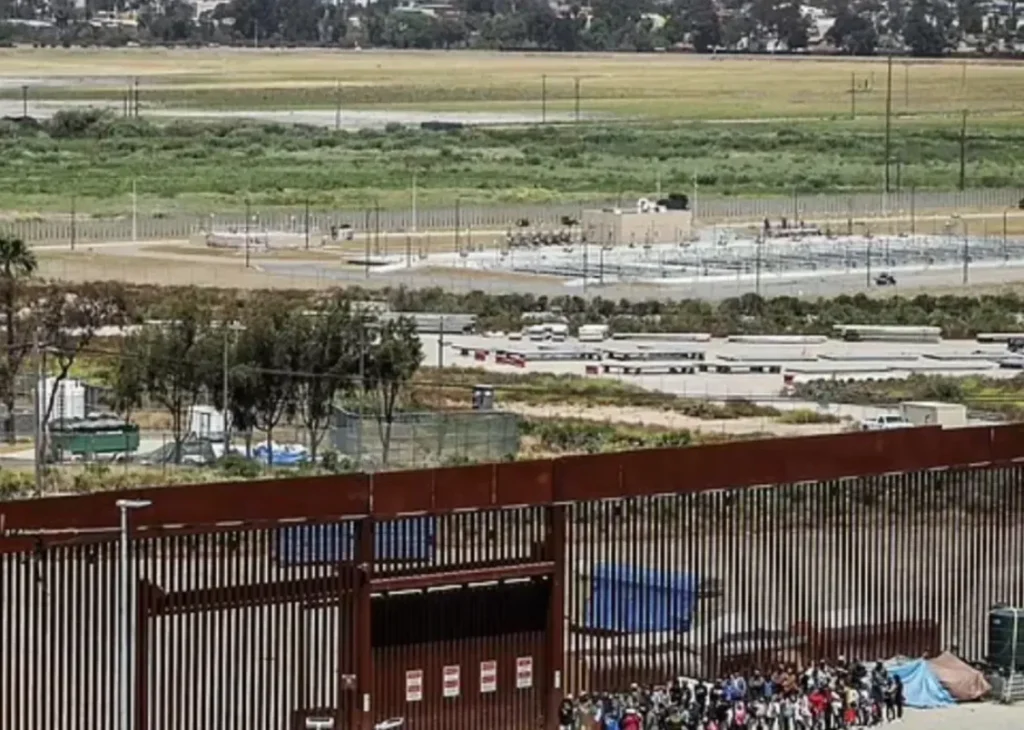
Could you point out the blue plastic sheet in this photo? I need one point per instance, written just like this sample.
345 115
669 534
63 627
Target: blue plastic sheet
632 600
921 688
404 539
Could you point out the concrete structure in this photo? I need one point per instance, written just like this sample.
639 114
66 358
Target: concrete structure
643 225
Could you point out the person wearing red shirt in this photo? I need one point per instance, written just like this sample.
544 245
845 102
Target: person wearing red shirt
818 701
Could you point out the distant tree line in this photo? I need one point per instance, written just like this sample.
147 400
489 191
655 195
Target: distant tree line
925 28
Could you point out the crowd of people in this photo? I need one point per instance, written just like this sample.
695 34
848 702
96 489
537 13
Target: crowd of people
824 696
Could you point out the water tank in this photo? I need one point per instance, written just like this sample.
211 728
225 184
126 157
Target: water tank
1006 637
483 397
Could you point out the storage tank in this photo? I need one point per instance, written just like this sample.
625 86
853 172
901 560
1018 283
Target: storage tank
1006 637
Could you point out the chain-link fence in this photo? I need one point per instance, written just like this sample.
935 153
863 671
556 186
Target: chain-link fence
426 438
76 230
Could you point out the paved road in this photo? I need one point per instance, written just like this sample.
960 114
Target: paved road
770 286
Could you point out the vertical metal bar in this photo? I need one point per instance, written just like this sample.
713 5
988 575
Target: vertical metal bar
361 645
556 549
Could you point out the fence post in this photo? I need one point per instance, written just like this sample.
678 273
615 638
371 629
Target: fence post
555 549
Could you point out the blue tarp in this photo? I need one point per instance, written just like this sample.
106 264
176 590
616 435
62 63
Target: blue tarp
921 688
633 600
282 455
408 538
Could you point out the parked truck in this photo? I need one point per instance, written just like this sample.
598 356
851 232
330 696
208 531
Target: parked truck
933 413
884 422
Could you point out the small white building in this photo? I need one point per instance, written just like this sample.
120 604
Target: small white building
69 402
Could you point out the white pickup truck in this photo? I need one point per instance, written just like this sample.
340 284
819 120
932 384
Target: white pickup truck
885 422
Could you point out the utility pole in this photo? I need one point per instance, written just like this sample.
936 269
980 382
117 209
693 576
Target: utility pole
577 86
337 105
457 225
868 267
135 214
963 150
888 121
853 96
440 346
226 393
906 86
414 221
376 227
967 251
40 396
366 240
307 222
247 217
136 97
757 265
544 99
24 101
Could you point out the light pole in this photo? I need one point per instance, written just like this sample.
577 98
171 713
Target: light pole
1006 256
967 245
126 611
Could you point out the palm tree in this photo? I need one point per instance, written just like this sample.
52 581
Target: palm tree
17 262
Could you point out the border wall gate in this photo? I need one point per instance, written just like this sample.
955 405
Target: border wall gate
465 597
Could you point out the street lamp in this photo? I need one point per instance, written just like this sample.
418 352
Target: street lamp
126 611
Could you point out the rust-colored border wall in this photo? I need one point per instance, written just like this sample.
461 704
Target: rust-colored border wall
569 479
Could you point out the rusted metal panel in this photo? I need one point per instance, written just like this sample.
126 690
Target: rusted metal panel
595 476
464 487
199 504
523 482
964 446
1006 442
599 476
402 492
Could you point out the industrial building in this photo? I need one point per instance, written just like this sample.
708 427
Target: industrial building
646 224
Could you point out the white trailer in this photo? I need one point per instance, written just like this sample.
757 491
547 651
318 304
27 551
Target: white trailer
593 333
933 413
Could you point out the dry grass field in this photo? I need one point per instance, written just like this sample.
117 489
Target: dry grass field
632 85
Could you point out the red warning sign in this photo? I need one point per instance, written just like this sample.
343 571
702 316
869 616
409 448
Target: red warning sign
414 685
451 681
524 672
488 677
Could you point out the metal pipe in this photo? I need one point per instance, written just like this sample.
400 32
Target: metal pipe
126 610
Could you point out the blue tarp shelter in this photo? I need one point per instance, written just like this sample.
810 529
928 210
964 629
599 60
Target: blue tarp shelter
407 538
630 599
921 688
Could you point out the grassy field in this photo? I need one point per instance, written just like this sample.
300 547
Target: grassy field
195 167
736 126
655 86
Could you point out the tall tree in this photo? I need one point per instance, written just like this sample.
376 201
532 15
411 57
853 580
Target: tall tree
265 355
179 354
17 264
128 378
327 355
929 28
391 361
